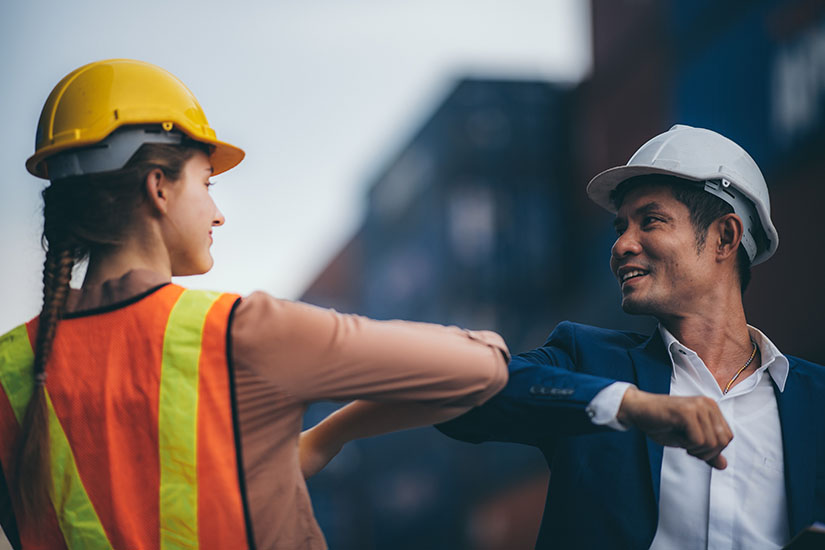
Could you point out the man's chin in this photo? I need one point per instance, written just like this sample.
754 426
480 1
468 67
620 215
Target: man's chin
635 306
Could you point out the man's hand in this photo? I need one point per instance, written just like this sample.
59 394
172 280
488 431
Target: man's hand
693 423
315 450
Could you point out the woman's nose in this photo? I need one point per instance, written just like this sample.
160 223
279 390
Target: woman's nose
219 218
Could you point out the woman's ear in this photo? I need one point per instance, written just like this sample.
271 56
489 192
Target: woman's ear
157 190
729 228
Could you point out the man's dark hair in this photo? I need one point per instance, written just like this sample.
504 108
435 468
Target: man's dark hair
704 209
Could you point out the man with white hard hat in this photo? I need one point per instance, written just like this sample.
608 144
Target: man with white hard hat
701 435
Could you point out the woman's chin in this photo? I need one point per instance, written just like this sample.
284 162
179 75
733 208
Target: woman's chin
198 268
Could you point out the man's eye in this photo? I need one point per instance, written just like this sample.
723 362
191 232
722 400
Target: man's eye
209 184
649 220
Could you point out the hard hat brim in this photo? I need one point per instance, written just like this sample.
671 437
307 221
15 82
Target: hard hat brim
225 156
602 185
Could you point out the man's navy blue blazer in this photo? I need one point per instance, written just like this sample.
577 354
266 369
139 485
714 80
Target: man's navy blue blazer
604 484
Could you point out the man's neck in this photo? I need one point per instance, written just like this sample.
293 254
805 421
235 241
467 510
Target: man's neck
719 336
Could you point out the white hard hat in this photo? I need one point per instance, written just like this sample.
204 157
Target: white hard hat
703 155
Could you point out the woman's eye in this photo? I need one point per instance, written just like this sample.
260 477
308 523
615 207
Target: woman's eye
209 184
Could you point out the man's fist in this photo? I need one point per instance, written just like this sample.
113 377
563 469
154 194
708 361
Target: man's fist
693 423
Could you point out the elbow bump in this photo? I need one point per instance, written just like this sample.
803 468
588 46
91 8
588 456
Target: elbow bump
502 374
483 386
496 379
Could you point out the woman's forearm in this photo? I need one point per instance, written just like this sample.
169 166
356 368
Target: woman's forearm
369 418
360 419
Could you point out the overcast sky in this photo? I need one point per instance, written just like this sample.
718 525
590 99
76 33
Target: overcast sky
320 94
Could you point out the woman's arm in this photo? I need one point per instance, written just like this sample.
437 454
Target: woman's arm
311 354
400 374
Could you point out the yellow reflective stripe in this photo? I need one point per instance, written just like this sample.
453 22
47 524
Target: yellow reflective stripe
76 516
178 420
16 369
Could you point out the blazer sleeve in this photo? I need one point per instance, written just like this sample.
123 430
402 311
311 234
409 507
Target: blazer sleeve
546 397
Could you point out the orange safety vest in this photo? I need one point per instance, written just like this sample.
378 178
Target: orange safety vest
142 432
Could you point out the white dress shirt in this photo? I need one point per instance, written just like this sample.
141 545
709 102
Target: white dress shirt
743 506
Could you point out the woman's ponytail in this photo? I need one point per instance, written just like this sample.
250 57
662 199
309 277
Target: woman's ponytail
34 481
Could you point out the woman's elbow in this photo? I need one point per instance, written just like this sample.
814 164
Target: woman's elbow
494 375
498 377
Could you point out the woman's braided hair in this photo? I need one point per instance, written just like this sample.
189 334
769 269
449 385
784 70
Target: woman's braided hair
83 215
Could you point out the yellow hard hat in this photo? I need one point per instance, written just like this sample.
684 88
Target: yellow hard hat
95 100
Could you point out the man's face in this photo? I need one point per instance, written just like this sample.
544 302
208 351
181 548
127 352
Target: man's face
655 257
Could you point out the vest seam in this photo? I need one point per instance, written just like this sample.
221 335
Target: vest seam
115 306
236 425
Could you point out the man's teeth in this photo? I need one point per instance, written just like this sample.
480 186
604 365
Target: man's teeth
631 274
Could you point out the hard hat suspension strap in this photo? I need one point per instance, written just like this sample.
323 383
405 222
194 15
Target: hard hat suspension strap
110 154
753 235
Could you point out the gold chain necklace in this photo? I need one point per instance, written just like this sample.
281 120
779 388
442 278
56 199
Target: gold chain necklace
735 376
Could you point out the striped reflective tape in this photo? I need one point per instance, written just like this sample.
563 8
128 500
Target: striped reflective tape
76 516
178 420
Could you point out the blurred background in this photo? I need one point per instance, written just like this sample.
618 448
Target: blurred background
427 161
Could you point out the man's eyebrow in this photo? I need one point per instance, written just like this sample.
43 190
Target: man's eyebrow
652 206
647 208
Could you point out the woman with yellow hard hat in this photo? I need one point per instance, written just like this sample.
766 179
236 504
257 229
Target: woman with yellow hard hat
135 413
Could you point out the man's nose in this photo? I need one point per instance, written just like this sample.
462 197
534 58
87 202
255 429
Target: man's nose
627 244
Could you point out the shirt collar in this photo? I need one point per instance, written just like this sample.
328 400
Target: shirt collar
772 358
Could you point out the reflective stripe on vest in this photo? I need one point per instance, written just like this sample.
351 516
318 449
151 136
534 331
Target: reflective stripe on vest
178 420
177 410
78 521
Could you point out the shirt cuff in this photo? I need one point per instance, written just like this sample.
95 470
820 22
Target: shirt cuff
603 408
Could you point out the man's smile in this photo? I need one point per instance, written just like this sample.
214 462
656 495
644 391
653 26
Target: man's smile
630 273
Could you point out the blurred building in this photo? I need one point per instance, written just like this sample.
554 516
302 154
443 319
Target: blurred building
482 221
465 226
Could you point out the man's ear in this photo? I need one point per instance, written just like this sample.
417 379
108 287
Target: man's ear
157 190
729 235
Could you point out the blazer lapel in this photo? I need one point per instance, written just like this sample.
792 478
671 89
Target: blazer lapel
653 371
798 434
